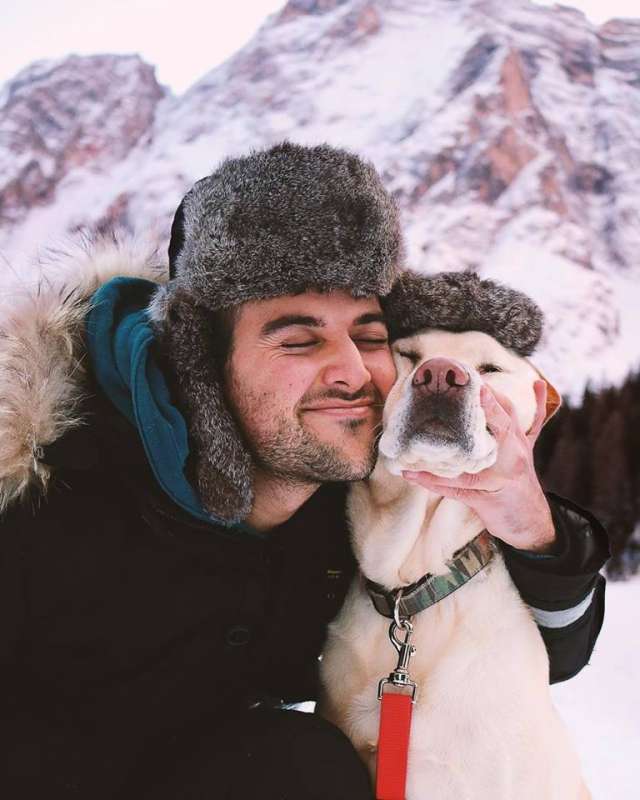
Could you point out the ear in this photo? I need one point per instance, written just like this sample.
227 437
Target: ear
554 400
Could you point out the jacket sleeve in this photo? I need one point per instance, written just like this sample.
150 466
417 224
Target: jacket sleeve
564 589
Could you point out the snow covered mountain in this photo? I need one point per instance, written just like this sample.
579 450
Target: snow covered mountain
509 133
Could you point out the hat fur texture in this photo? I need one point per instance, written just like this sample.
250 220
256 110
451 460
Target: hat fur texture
277 222
285 220
461 301
221 466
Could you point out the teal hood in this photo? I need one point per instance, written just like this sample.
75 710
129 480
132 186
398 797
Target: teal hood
120 344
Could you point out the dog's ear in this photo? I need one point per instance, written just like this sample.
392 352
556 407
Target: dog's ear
554 400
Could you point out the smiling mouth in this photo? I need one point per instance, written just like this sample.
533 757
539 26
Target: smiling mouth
341 411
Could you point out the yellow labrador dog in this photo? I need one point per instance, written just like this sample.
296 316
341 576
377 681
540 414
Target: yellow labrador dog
484 727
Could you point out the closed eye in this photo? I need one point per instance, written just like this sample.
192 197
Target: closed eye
484 368
296 345
372 342
412 355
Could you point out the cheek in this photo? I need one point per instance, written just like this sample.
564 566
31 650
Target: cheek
286 382
400 393
526 407
383 372
267 386
520 393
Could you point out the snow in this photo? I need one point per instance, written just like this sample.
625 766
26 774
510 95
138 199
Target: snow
593 325
583 314
601 705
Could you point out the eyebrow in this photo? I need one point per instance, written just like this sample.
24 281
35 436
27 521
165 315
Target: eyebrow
372 316
290 320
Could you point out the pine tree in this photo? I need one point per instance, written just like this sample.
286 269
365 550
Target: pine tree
561 472
591 454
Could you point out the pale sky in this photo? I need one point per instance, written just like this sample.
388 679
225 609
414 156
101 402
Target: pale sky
184 39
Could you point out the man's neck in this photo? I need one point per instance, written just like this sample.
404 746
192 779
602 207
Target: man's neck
276 500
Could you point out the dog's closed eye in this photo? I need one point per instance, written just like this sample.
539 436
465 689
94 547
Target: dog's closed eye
484 368
412 355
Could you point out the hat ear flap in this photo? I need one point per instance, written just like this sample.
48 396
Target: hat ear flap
220 463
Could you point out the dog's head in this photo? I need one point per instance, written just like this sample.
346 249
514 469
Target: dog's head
433 419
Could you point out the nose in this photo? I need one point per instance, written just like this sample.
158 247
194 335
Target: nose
347 368
440 376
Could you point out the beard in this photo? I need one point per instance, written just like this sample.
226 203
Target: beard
299 456
288 448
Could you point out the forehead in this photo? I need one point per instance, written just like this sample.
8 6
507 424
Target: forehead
470 345
330 308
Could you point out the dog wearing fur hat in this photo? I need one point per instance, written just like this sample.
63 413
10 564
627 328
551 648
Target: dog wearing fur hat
483 726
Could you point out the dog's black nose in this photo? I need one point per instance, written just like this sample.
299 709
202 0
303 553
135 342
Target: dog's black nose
440 376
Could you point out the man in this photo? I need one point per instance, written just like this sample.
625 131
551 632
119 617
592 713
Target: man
172 586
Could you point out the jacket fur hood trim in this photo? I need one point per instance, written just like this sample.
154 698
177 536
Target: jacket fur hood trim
42 378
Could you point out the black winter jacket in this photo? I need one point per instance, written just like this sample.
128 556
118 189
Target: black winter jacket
126 622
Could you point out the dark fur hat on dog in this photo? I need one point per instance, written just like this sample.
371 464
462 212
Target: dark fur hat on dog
458 302
277 222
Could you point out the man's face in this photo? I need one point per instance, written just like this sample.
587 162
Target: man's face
307 378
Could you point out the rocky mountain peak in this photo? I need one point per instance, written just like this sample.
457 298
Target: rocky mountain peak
55 117
296 7
354 18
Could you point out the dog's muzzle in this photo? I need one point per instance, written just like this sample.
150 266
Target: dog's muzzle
438 406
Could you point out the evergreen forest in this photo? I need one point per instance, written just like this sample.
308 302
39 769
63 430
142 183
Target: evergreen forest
591 455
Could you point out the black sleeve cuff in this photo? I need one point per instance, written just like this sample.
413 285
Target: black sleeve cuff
565 576
570 648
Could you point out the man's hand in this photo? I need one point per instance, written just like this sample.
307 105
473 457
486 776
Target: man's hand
507 496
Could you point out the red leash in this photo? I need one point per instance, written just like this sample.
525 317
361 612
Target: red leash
393 746
395 719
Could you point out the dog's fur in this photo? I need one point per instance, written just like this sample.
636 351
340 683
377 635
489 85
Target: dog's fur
483 725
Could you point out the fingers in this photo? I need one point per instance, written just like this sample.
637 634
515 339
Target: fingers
437 486
498 410
483 481
540 389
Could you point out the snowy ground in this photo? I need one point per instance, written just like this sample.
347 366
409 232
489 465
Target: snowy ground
601 705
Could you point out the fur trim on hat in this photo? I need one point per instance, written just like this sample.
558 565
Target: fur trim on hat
278 222
461 301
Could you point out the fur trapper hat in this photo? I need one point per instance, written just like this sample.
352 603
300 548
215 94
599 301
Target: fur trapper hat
282 221
461 301
277 222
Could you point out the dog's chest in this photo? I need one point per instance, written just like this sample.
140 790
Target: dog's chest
458 642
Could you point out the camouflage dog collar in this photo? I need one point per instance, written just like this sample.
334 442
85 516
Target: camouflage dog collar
430 589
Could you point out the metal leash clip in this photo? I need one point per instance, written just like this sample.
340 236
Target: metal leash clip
399 677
